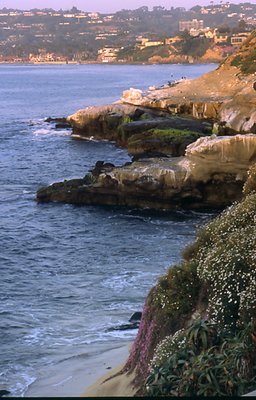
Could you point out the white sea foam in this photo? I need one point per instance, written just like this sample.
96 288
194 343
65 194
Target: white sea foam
51 132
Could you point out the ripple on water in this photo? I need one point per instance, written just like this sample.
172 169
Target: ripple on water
69 273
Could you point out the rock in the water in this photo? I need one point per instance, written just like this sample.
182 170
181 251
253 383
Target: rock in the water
125 327
136 316
4 392
60 123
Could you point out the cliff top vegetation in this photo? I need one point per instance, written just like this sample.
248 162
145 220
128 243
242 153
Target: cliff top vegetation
245 59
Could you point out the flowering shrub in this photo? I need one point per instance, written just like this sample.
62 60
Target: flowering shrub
168 346
224 367
227 261
177 291
217 280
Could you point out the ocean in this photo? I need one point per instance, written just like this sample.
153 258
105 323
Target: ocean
70 274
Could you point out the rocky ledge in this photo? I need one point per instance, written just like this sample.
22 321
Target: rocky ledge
226 95
211 174
207 171
140 129
164 121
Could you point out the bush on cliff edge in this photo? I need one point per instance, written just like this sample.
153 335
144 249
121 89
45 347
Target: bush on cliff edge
216 284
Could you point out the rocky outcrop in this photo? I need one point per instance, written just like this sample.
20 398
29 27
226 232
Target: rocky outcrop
210 175
99 121
226 95
222 95
120 123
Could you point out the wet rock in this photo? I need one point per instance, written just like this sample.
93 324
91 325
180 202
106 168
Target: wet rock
101 167
63 125
4 392
136 127
148 184
125 327
136 316
150 143
60 123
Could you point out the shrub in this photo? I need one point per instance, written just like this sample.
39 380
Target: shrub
223 366
177 291
217 280
225 251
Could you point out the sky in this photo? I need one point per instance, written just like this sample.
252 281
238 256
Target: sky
106 6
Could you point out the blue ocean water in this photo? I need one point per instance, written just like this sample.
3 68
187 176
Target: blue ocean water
70 273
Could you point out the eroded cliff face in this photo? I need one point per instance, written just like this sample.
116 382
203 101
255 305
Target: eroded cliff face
215 157
226 94
211 174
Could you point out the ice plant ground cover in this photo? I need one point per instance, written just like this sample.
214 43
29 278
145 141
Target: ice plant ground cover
199 321
203 361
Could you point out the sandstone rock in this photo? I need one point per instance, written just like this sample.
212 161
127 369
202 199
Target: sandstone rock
99 121
220 156
210 175
226 94
132 95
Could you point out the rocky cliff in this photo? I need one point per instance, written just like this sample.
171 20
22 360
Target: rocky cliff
226 95
198 330
211 174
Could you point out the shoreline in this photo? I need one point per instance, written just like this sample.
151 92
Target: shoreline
73 377
100 63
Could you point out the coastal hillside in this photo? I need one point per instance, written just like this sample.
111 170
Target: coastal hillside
197 334
226 94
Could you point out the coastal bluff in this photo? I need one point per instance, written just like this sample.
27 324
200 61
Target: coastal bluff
226 94
201 313
210 175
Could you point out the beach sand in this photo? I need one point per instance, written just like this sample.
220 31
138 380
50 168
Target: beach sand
74 377
113 384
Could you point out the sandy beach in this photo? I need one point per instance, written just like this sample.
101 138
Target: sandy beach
74 377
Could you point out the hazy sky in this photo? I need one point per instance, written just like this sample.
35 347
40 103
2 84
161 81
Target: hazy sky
106 5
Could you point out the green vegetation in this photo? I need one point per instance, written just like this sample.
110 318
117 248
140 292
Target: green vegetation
204 361
89 179
202 314
177 292
164 137
246 59
151 51
195 46
246 64
167 141
127 119
174 135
